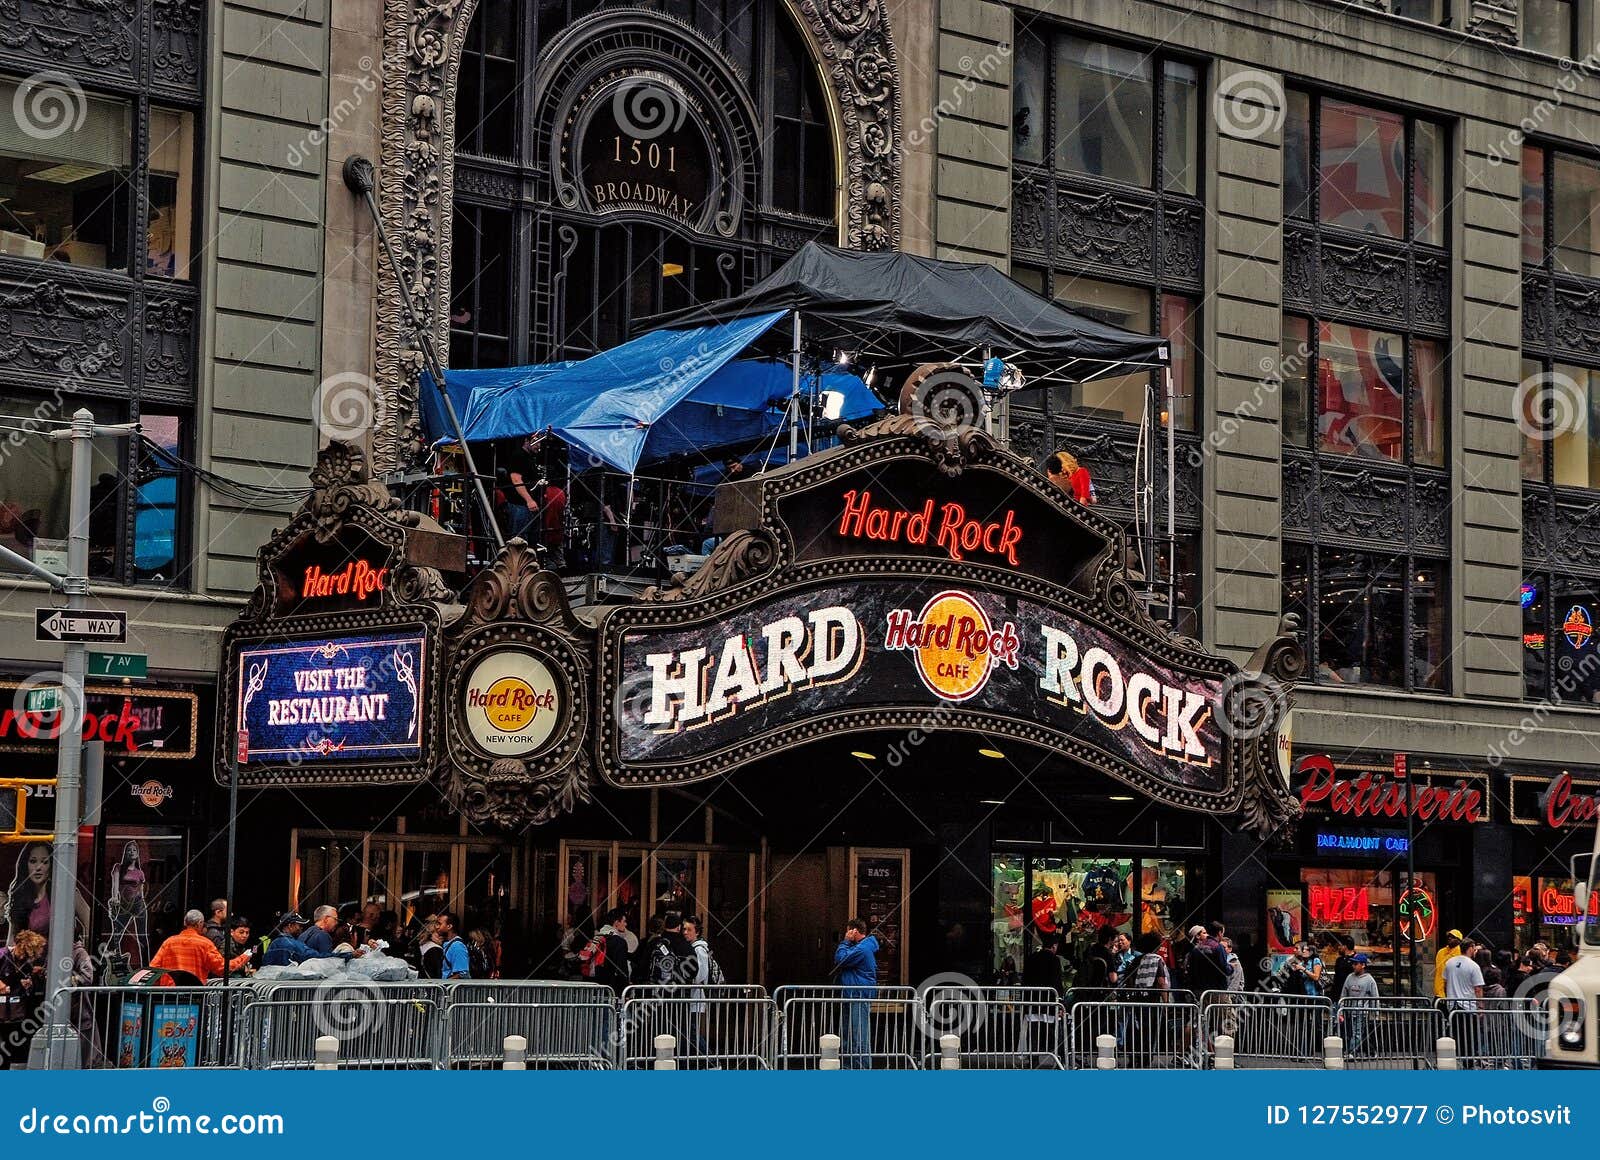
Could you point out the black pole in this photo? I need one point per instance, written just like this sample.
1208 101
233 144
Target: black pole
358 176
1411 871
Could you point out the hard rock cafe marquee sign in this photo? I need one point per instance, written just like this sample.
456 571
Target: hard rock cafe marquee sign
909 578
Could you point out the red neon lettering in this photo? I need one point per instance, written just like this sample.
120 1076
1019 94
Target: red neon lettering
860 519
1562 809
1376 795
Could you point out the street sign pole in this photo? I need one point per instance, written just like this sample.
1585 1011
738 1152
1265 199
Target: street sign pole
1403 772
61 1048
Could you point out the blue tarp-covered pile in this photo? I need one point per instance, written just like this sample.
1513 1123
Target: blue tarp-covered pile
664 393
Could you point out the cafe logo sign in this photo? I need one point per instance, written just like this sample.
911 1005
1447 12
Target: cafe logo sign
946 526
1377 794
152 793
512 702
954 645
1577 627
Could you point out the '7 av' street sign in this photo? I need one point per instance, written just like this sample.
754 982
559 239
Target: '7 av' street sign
95 627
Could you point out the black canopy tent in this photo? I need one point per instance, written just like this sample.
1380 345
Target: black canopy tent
898 310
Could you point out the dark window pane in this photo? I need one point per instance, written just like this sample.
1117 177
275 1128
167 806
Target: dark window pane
1360 385
493 275
1363 169
1428 640
1297 156
1028 115
1430 10
1362 618
1295 368
1297 588
1103 111
1577 193
156 502
1535 637
497 131
1428 184
1428 419
1180 103
1533 171
1547 26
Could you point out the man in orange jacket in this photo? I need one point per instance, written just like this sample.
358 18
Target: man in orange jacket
190 950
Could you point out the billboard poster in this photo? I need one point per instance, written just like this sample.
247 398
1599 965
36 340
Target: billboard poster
174 1034
1284 925
130 1034
843 652
353 698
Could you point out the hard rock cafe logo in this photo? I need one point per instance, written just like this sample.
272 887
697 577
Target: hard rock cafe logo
1577 627
955 646
152 793
511 704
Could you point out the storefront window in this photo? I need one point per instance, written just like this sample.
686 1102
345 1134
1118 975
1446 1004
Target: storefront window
1560 661
1123 397
1357 906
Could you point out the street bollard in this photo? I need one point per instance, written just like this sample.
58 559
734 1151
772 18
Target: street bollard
666 1049
327 1054
514 1053
1448 1060
1105 1047
830 1054
1222 1053
949 1053
1333 1053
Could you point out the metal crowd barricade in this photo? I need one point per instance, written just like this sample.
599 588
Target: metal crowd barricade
998 1027
567 1025
1268 1030
1391 1032
378 1025
733 1026
1498 1034
1149 1034
878 1027
165 1027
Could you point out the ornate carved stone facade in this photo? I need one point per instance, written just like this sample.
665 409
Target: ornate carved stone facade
1368 279
422 54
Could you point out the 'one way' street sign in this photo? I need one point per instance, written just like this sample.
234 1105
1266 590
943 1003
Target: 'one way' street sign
100 627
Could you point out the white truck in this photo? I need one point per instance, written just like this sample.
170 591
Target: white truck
1574 996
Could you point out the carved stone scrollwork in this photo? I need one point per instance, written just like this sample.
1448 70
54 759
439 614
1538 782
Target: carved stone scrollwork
169 342
175 49
49 327
1430 512
1430 292
1536 330
1299 494
1363 279
421 59
1299 267
952 448
1561 530
741 556
1577 320
1031 200
1182 244
1105 229
98 36
1362 504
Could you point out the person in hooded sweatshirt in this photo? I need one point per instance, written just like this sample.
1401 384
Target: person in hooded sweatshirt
855 964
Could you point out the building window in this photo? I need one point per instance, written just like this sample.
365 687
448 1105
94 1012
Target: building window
480 287
1550 27
487 112
1352 390
1372 618
1102 101
1560 660
1560 196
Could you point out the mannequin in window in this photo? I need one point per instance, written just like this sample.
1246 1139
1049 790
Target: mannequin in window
1064 470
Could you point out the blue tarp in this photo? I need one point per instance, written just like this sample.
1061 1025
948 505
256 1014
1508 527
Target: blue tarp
663 393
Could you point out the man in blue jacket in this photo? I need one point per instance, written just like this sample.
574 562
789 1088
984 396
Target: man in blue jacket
856 965
287 949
